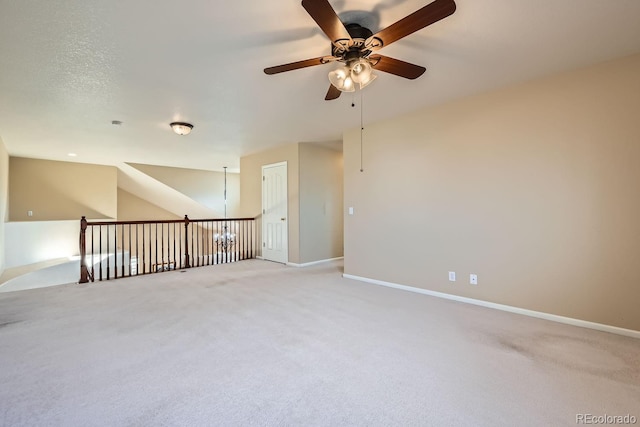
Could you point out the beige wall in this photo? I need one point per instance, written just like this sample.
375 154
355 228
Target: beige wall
32 242
60 190
4 190
321 199
534 188
251 190
205 187
133 208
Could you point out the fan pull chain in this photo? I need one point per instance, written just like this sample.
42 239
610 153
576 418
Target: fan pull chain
353 105
361 130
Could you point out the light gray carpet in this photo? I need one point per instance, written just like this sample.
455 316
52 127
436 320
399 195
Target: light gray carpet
256 343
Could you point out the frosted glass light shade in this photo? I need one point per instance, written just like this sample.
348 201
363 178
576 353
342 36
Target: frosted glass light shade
361 71
372 77
341 79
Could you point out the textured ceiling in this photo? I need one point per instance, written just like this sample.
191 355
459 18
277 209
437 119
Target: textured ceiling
68 68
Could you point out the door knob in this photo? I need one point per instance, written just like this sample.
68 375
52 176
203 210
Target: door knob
282 219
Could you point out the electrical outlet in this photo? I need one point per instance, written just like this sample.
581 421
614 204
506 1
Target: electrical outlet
29 213
473 279
452 276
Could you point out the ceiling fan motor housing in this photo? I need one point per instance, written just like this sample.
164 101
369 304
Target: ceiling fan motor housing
359 34
357 31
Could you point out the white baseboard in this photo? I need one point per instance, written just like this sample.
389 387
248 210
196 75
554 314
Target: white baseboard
553 317
307 264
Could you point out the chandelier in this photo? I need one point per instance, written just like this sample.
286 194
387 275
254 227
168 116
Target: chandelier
225 240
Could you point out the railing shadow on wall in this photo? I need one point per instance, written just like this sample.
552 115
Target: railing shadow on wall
115 249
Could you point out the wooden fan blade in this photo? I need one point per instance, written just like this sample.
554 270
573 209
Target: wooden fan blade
297 65
332 93
326 18
433 12
397 67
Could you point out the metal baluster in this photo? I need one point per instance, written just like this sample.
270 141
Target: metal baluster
144 255
130 250
137 254
193 255
122 235
92 263
244 239
161 247
108 257
217 243
155 238
209 242
180 247
249 238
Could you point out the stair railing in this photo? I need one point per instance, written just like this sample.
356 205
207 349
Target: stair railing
115 249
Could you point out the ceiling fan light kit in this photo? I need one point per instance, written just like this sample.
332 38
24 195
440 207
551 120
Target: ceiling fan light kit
341 79
354 45
356 72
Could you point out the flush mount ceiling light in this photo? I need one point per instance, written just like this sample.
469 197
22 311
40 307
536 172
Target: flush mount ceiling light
181 128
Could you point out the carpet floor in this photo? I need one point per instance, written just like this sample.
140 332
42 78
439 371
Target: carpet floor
259 344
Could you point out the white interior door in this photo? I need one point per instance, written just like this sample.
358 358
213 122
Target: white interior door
275 235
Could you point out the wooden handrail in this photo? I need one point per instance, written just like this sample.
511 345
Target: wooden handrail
166 221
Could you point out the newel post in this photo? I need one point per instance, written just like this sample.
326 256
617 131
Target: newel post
84 271
186 242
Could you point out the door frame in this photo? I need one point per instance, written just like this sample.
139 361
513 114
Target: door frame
263 237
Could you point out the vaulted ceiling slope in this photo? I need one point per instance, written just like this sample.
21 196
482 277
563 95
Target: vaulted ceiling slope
68 68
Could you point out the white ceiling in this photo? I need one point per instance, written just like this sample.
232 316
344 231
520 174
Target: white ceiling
68 68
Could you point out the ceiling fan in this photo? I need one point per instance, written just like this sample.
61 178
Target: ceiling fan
353 45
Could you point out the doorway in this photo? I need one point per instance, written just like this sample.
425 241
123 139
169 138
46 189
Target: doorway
275 233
